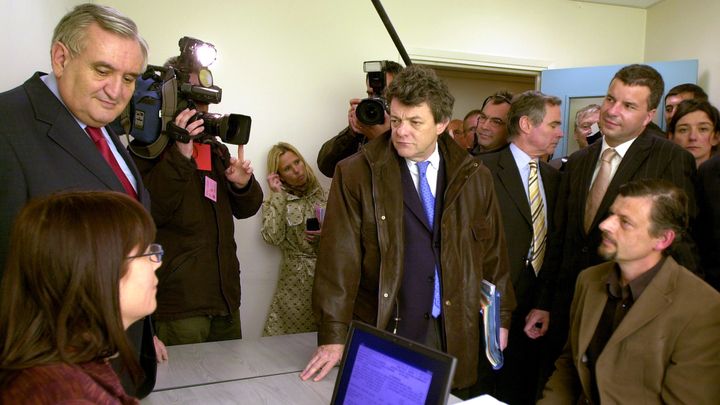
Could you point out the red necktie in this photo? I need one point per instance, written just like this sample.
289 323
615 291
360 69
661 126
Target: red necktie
101 144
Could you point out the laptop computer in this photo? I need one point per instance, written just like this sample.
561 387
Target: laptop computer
381 368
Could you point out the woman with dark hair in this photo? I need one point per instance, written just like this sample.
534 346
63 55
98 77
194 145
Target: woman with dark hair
696 127
291 219
80 270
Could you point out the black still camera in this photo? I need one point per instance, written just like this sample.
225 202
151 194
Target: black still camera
164 91
371 111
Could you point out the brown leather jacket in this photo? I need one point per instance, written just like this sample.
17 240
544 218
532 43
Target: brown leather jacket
359 268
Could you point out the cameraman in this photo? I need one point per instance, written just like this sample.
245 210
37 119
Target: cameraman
349 140
194 198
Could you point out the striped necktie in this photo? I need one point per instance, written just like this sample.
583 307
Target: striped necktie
537 209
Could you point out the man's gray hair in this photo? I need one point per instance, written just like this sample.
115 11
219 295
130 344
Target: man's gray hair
72 28
587 110
531 104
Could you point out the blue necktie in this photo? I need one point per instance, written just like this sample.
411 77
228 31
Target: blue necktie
428 202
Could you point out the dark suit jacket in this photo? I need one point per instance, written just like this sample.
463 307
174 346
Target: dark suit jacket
649 157
530 291
665 350
423 240
43 150
708 223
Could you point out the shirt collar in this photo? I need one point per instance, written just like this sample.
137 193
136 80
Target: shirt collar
51 82
434 159
521 158
637 286
621 149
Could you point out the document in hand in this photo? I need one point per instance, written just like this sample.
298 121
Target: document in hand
491 324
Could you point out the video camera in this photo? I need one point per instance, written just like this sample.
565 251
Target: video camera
371 111
164 91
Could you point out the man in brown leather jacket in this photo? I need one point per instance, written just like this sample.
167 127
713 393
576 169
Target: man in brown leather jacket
380 249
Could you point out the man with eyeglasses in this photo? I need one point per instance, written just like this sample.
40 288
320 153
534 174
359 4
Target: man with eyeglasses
526 188
491 133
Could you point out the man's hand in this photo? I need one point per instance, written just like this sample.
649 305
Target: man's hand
240 170
322 361
274 182
160 350
503 338
370 131
194 128
537 323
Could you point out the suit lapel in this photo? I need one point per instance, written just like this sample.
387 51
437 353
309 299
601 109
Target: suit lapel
411 198
586 169
549 183
653 301
66 132
592 309
635 156
509 177
593 304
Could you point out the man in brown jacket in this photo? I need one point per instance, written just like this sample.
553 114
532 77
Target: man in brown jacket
643 328
385 238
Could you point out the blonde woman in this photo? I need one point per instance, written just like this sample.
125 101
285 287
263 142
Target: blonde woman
291 218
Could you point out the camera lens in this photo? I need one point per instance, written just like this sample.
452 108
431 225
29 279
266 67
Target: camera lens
371 111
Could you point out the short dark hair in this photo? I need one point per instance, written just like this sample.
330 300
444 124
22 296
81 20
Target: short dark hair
531 104
416 85
393 67
499 97
670 204
697 91
643 75
688 106
471 113
60 294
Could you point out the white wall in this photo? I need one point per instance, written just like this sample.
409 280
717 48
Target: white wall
292 65
27 31
677 31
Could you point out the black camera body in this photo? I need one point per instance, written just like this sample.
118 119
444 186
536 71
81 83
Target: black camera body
371 111
164 91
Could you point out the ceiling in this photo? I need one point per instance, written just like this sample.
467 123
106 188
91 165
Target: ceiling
626 3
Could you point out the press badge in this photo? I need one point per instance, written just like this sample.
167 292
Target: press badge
211 189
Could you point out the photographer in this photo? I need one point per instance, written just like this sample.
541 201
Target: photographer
196 189
349 140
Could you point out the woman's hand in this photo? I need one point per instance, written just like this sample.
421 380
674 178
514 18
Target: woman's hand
274 182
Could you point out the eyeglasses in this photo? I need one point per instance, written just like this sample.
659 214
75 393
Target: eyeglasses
495 123
155 253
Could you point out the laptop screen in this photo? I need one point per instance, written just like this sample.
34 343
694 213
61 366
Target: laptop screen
379 367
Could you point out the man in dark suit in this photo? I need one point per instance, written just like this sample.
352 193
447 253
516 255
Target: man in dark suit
628 150
644 329
491 131
412 228
53 136
534 129
707 233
